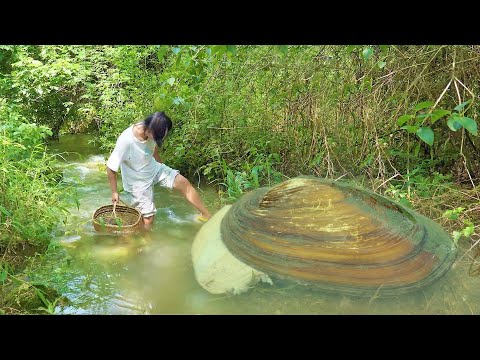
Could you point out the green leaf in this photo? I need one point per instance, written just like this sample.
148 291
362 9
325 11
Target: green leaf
40 295
5 211
161 53
461 106
367 83
17 227
403 119
161 102
232 49
405 202
468 124
255 177
453 214
351 48
171 81
437 114
468 231
453 124
417 149
411 129
283 49
178 100
456 236
367 52
102 223
384 48
3 275
457 122
219 49
426 134
423 105
420 118
118 221
381 64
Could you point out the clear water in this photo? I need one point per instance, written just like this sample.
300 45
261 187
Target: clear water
153 274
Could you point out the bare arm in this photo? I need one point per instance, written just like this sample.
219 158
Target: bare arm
113 164
112 179
155 154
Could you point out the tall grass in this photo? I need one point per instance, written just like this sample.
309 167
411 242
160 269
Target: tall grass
33 196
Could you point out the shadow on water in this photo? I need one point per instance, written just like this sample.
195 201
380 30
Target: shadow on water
152 273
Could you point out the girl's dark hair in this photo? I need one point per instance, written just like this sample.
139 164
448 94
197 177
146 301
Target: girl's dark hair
158 123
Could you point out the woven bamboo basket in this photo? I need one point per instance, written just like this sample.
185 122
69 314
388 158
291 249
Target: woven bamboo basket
117 218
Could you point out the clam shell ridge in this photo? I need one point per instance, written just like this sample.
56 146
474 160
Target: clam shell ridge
336 236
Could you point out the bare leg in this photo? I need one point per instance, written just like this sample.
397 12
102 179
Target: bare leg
148 222
183 185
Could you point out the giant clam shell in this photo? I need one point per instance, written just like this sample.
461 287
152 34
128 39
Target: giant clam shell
216 269
336 237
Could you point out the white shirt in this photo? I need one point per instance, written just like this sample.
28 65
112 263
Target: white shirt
135 159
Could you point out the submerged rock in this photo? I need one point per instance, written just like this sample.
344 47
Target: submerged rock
324 234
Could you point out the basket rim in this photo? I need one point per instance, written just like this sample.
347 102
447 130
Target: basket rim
131 211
